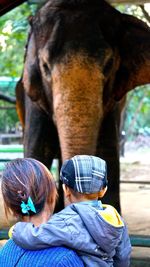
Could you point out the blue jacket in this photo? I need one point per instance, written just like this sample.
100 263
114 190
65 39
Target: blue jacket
12 255
96 232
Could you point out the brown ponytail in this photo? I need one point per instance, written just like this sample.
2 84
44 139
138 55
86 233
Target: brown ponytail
24 178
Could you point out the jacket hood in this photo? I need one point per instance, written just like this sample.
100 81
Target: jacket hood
104 225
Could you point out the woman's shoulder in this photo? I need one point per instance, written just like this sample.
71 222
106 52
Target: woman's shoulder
54 256
58 257
10 253
10 245
68 258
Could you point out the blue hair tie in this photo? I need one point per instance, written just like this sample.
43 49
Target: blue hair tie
25 208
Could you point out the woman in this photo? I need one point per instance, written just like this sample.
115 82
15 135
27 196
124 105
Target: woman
29 192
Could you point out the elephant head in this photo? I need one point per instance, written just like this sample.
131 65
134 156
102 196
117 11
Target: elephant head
82 57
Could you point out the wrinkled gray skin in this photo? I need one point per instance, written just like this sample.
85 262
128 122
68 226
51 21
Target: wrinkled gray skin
81 59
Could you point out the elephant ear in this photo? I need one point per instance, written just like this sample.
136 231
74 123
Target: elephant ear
134 50
31 76
20 102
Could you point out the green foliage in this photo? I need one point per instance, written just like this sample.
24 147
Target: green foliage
14 29
134 10
8 117
138 111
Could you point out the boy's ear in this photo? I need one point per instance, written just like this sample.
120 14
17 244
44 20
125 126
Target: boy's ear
102 192
66 190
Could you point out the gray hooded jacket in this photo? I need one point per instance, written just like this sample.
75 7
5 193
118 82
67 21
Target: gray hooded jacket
97 232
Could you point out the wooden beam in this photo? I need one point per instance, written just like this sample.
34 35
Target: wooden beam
129 2
6 98
7 5
132 2
140 241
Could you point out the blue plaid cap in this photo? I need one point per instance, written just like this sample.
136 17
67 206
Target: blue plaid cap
84 174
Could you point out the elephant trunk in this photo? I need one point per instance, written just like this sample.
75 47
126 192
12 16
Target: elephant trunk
77 103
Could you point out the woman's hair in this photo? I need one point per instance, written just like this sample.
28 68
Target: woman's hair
25 179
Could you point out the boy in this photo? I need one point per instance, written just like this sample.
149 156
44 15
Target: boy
97 232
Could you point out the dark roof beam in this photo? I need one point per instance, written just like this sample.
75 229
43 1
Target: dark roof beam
7 5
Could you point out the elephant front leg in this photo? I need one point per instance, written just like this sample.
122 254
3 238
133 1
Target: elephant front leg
108 149
40 134
41 140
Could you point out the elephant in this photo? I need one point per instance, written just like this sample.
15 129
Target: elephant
81 59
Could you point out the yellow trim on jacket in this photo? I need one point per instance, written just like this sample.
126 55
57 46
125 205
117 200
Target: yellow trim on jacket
110 215
10 232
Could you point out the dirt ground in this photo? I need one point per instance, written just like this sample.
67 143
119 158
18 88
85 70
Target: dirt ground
135 197
135 201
